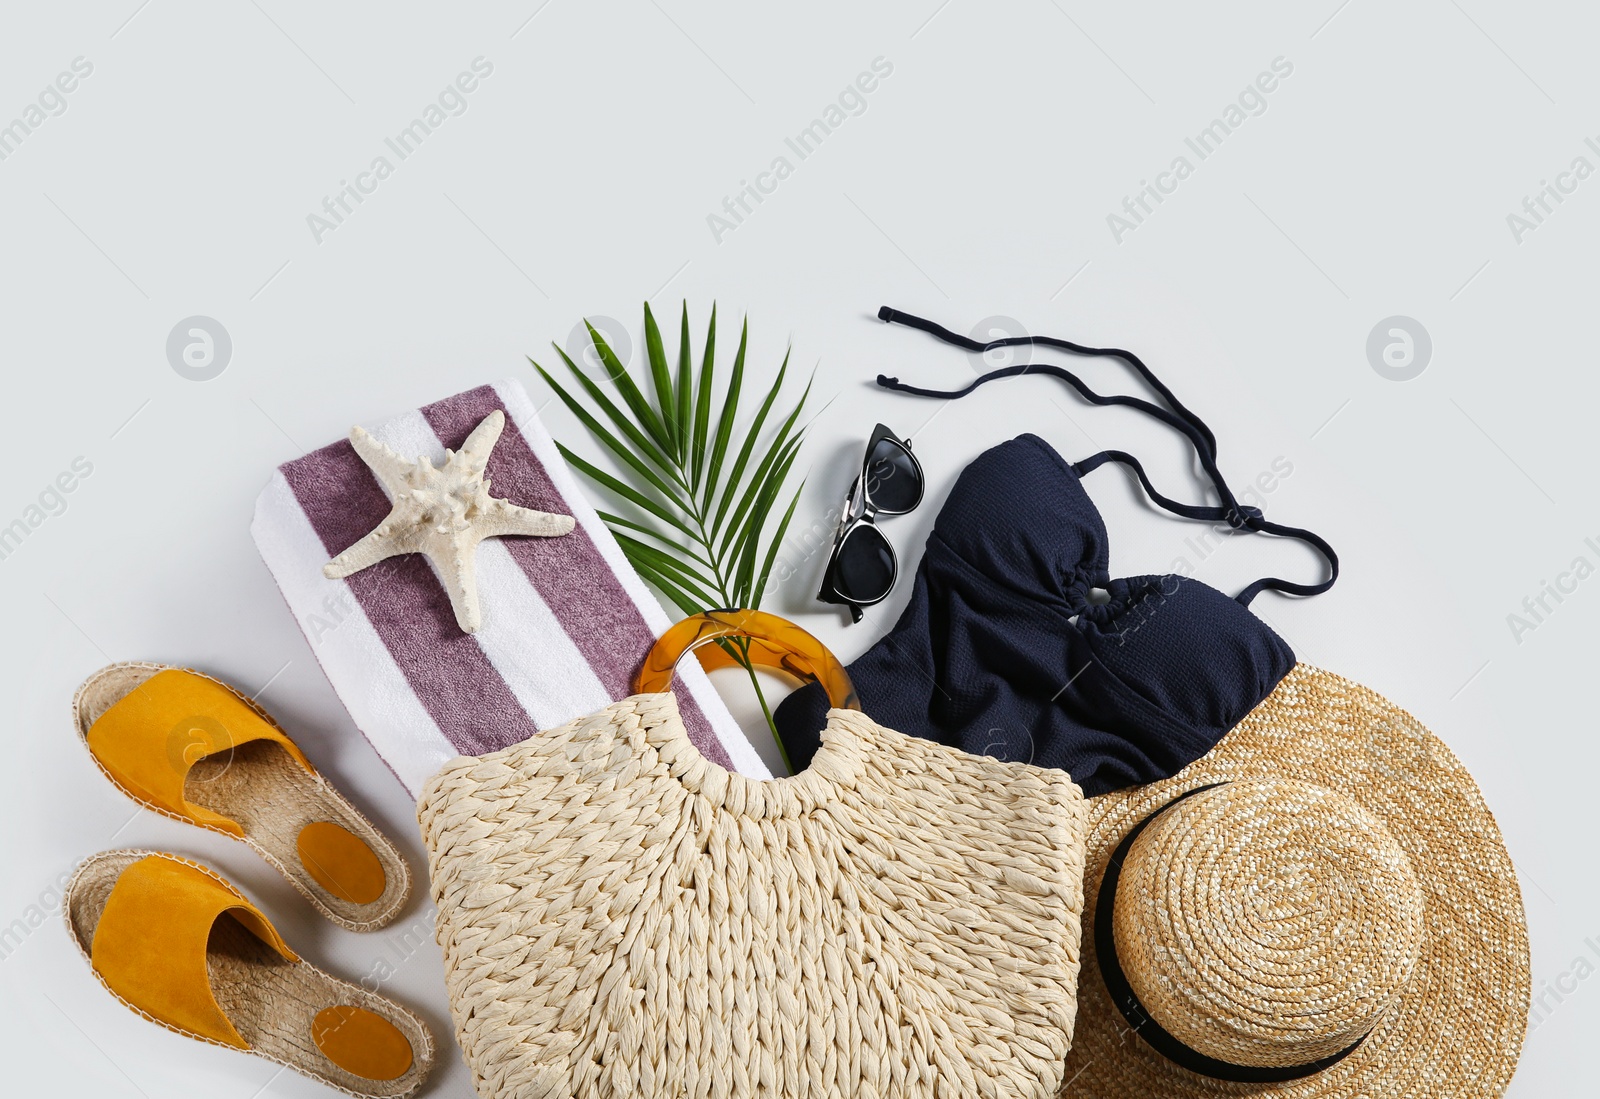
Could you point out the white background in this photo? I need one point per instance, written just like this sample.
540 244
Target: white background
976 183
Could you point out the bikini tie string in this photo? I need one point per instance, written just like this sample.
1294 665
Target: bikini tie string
1176 415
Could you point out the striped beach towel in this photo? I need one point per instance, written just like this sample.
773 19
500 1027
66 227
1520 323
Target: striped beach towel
567 621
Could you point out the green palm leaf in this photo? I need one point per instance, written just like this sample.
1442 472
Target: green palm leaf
757 481
642 443
630 391
730 409
684 384
702 405
626 492
737 470
772 550
666 399
702 488
611 441
624 523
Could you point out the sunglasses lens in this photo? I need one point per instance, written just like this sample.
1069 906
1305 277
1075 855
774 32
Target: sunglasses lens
894 480
864 568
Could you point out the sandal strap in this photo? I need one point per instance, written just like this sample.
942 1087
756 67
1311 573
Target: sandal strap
150 943
151 738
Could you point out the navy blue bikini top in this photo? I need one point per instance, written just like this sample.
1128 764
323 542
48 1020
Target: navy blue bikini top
1018 643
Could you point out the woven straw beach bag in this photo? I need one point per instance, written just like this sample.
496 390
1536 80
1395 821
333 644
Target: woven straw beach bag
620 916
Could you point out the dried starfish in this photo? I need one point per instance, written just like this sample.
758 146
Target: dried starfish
444 512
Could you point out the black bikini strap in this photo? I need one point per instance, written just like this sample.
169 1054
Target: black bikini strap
894 316
1178 416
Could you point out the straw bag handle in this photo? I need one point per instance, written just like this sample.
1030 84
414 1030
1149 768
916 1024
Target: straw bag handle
768 641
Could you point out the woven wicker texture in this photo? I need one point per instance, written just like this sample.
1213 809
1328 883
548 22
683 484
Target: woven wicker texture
1270 923
1394 864
621 917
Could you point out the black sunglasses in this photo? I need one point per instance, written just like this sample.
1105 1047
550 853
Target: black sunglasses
862 567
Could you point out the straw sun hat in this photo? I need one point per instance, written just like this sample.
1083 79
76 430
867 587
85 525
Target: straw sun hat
1321 906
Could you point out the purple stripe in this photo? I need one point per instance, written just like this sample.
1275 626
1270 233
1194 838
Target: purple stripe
569 573
408 607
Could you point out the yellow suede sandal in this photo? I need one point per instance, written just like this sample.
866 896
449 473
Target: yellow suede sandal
194 749
176 943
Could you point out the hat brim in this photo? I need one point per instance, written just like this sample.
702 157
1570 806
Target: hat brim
1457 1030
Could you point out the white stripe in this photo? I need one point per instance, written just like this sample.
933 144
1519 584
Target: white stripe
369 682
740 751
521 636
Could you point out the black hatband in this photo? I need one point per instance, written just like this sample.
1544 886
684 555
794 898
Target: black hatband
1122 994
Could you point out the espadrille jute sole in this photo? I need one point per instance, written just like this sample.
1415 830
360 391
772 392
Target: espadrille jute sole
266 792
270 1001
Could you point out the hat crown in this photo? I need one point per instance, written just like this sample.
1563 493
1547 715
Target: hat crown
1267 923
